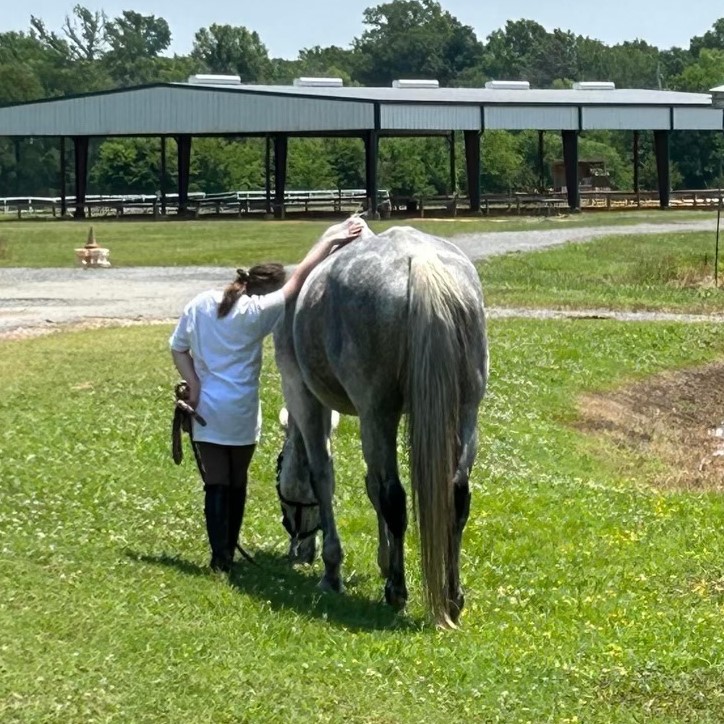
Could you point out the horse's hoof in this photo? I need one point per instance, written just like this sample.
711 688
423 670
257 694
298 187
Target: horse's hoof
395 597
456 606
332 585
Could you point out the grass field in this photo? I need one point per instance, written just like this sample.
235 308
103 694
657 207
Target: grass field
592 595
229 242
673 272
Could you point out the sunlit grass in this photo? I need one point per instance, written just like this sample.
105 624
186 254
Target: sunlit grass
226 242
668 271
589 595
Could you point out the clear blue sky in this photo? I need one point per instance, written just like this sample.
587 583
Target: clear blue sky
286 26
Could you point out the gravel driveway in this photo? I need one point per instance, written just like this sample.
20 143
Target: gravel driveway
36 300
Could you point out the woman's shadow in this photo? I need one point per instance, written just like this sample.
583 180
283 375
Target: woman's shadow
271 578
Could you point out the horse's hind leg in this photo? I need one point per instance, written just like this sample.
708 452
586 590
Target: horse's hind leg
383 546
379 445
461 481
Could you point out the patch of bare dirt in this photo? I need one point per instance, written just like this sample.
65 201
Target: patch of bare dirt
672 417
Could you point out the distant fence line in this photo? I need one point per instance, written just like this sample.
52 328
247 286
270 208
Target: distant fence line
244 203
239 202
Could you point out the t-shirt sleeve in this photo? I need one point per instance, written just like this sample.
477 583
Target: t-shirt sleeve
180 339
270 309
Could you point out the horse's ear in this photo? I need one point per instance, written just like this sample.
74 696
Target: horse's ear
284 418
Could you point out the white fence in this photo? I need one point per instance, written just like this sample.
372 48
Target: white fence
240 202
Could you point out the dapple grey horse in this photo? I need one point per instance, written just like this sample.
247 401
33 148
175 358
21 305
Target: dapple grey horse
391 325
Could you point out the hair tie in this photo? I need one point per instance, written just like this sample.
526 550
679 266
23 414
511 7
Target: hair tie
242 275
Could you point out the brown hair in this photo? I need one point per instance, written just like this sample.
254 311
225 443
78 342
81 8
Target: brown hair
260 279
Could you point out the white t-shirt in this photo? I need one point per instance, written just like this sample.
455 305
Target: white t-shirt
227 355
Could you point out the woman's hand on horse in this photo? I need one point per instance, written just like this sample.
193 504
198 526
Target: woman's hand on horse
352 230
344 232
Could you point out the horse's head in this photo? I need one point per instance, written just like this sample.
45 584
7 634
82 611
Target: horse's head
300 511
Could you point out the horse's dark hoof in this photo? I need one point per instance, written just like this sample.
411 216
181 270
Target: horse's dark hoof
332 585
456 607
395 597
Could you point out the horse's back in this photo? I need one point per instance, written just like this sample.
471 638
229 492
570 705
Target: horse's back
352 316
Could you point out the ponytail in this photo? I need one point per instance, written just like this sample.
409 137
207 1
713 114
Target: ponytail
260 279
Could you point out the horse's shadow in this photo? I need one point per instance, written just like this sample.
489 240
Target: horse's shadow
274 580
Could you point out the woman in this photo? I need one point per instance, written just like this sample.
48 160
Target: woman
217 349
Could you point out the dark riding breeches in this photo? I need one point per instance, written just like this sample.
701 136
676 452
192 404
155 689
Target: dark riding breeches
225 465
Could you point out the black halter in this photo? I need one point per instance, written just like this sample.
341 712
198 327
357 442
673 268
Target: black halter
294 532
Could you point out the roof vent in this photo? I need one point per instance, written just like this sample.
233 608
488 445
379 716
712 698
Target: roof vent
318 82
594 85
202 79
507 85
415 83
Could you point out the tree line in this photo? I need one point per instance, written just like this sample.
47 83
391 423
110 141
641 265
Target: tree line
400 39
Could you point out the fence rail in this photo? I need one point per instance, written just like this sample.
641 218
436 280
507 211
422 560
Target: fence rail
244 203
234 202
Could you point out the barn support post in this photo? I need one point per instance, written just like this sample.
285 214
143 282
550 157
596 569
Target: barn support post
453 165
80 150
472 166
267 174
636 167
163 176
281 146
372 143
663 171
183 145
541 162
63 178
570 161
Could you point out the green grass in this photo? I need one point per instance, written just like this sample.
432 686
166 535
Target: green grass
228 242
590 597
670 271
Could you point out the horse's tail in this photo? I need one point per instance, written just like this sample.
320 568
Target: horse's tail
439 328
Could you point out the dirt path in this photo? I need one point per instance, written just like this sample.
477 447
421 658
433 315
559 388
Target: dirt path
36 301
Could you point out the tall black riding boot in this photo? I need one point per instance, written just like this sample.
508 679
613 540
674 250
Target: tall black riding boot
216 510
237 501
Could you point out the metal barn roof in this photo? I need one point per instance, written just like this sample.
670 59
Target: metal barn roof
217 109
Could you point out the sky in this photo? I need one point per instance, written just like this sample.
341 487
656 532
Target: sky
287 26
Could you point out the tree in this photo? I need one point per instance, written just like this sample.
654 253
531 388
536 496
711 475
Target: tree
308 165
672 63
634 64
84 34
228 49
402 169
18 83
502 165
135 43
346 158
712 40
330 61
703 74
414 39
224 165
514 52
129 165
